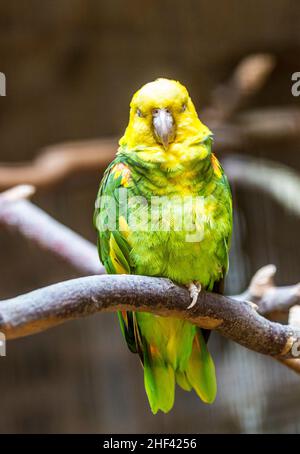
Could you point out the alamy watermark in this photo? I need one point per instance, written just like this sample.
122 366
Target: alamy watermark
2 84
2 344
296 350
296 85
189 215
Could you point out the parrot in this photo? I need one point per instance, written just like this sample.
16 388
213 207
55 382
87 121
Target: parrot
165 157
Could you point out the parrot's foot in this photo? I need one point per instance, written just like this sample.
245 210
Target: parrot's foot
194 289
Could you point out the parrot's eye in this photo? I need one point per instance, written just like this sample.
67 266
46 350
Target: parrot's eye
183 107
139 113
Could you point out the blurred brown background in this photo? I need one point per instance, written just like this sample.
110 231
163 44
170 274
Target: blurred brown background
71 68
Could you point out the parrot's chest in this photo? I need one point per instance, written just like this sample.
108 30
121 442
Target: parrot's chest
182 239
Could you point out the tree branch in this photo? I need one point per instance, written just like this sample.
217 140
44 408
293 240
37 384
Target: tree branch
58 162
236 320
40 228
266 296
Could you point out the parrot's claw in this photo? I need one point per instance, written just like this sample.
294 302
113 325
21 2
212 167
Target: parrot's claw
194 289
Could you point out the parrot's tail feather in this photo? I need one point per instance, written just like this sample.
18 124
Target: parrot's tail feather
182 381
200 372
126 321
159 381
170 349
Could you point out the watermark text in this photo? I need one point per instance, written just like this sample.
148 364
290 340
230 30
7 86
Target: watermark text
190 215
2 84
296 350
2 344
296 85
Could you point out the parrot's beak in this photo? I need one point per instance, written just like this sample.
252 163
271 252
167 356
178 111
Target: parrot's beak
164 126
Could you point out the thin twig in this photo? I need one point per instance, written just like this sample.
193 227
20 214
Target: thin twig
22 191
293 364
268 297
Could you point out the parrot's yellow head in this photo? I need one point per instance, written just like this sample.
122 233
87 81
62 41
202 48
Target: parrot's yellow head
163 124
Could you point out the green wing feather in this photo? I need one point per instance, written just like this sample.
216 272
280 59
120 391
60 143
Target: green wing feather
113 247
